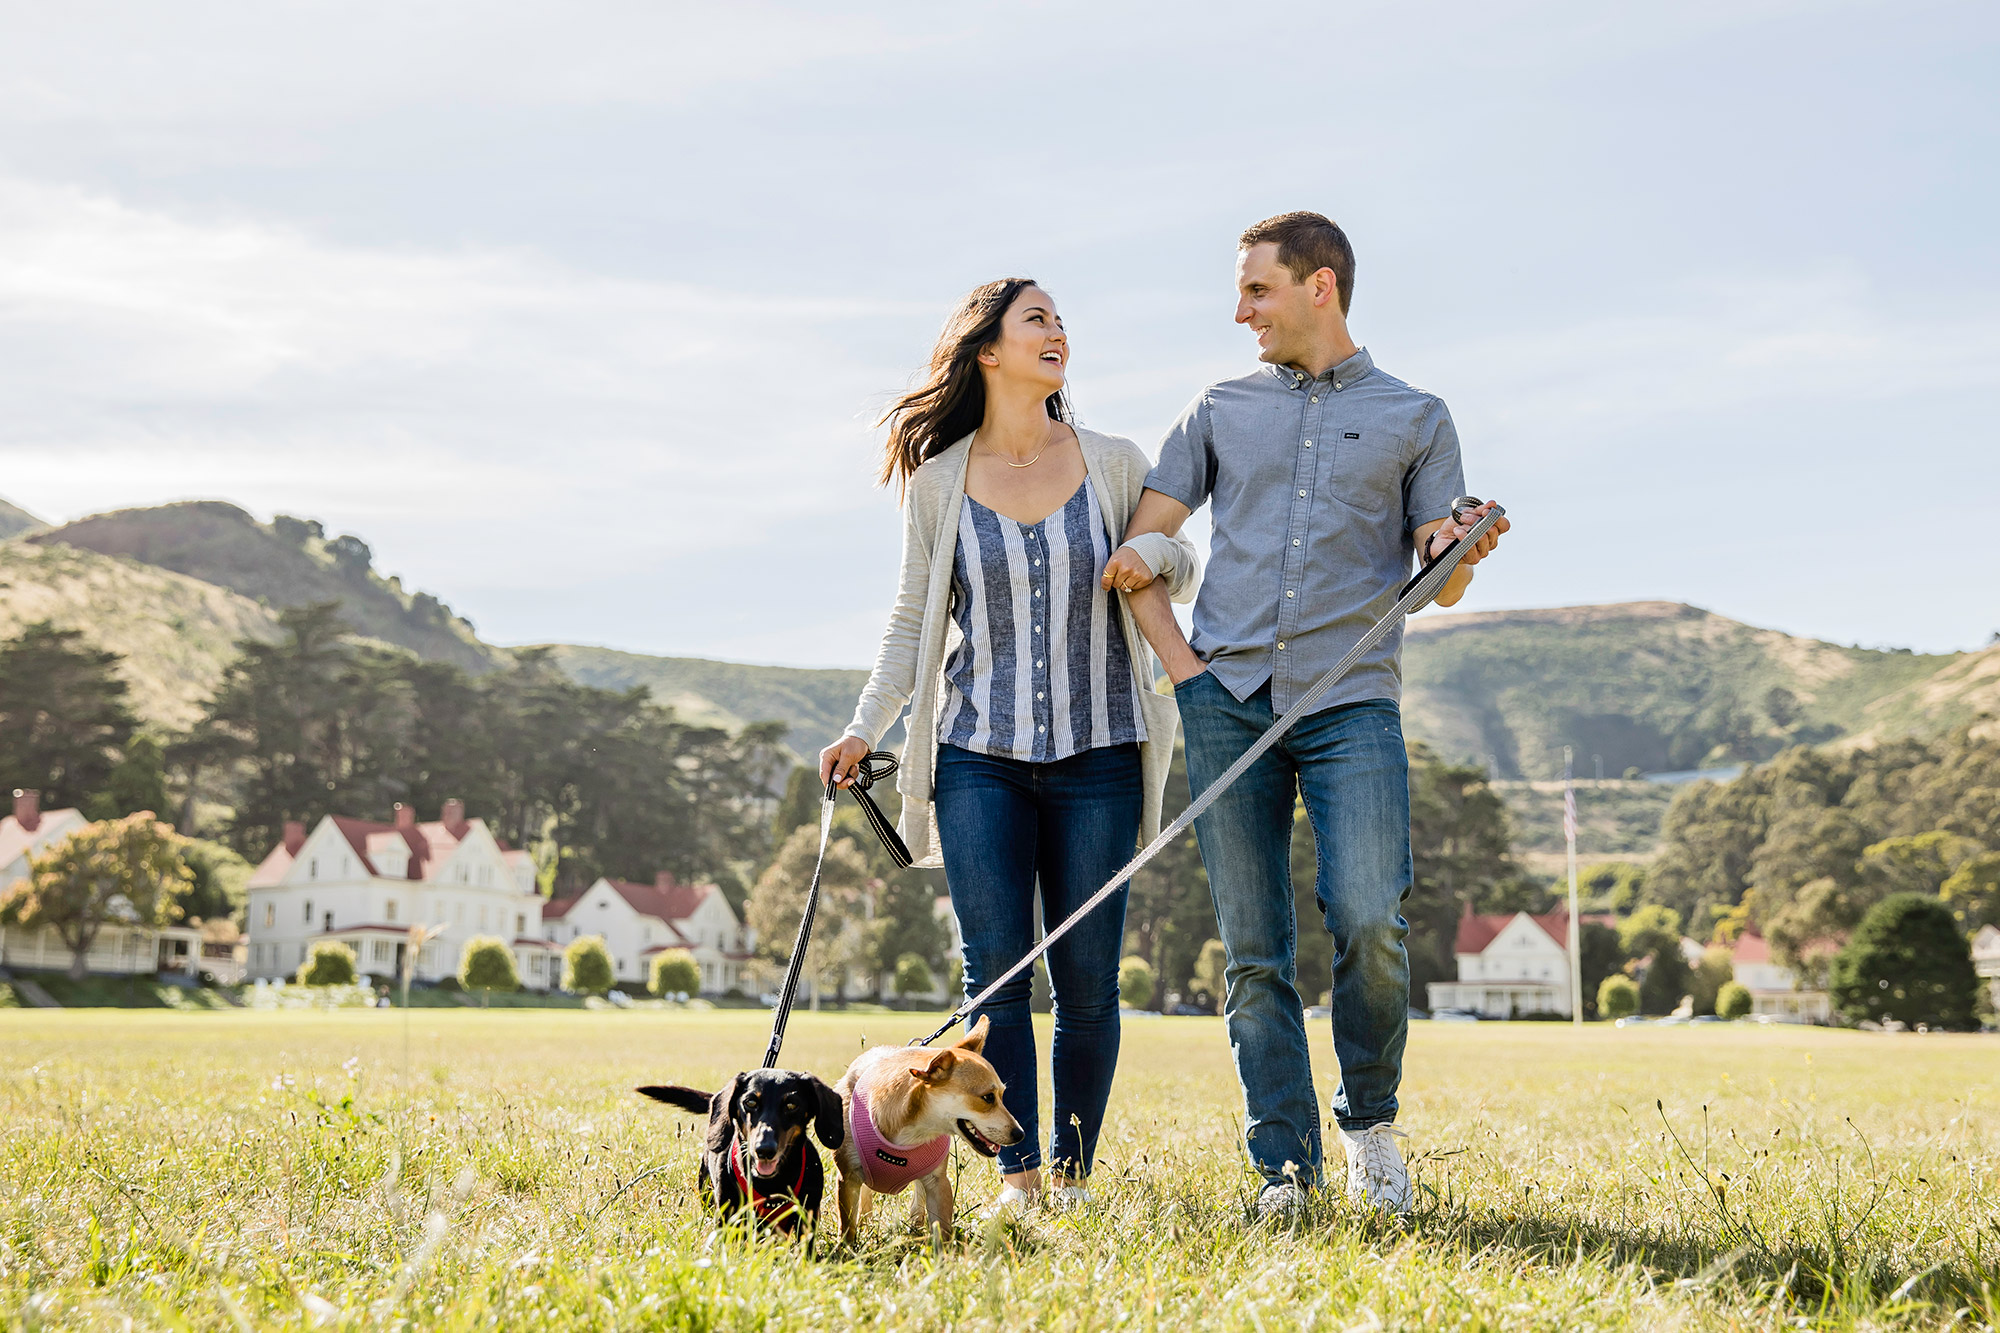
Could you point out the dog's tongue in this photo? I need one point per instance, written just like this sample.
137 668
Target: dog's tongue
759 1168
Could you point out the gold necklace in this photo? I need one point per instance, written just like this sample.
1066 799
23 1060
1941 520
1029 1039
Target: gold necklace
1032 461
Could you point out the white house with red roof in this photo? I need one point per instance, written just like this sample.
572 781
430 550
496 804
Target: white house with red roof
1774 989
1986 960
638 922
122 948
366 883
1509 964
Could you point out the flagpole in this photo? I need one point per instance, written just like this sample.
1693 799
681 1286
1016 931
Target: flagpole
1575 925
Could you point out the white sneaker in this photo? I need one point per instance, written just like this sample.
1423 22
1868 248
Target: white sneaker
1013 1200
1376 1176
1281 1202
1065 1197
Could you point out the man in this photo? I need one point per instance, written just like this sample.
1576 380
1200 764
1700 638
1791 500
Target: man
1327 476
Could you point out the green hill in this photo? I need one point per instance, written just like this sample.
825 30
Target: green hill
288 562
818 704
15 520
1660 687
175 633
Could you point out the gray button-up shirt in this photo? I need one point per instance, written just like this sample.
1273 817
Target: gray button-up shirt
1318 486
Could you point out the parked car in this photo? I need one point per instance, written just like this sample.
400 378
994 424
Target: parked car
1453 1016
1635 1021
1318 1011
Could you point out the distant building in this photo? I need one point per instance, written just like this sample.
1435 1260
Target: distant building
1774 989
365 884
124 948
1986 960
1509 964
638 922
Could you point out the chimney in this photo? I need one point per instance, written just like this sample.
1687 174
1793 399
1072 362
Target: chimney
295 835
664 880
453 817
405 817
27 809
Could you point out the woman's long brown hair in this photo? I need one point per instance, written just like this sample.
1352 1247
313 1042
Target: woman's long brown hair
951 402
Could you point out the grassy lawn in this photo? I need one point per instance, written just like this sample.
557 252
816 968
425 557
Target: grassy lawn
245 1170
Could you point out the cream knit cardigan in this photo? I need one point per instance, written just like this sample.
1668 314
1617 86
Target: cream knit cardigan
914 646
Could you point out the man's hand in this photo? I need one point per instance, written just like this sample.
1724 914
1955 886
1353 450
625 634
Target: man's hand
1125 571
1450 530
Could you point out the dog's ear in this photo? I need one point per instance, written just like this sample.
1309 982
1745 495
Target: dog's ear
975 1040
687 1099
831 1122
722 1111
938 1068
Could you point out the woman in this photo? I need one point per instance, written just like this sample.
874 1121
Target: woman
1037 748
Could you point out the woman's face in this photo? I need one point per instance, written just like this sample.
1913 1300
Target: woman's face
1031 347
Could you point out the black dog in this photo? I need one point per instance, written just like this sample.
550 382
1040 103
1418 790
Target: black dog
757 1156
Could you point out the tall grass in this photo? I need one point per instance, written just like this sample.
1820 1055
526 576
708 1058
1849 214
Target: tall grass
251 1170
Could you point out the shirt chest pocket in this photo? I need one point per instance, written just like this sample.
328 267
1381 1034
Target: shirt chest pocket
1363 470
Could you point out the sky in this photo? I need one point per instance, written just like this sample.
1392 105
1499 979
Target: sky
581 314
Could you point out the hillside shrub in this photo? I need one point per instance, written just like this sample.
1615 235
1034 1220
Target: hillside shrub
913 975
587 966
1617 998
1733 1001
487 965
330 963
1135 982
1906 961
675 972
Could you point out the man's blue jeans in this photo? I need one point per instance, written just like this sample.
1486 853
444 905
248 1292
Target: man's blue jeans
1005 826
1350 766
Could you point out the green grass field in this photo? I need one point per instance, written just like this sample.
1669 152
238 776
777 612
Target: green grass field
247 1170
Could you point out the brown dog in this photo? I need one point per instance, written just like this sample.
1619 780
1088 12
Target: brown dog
903 1103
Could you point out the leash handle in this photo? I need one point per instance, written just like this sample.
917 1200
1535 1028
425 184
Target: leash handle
873 768
1460 507
1419 591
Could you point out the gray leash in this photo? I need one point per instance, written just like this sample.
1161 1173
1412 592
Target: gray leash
1416 594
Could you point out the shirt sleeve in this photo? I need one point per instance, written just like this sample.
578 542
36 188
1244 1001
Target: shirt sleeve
1186 470
1436 476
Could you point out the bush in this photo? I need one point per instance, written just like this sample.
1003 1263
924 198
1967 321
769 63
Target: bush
330 963
1906 961
1135 982
675 973
587 966
1211 972
1733 1000
1617 998
913 975
487 965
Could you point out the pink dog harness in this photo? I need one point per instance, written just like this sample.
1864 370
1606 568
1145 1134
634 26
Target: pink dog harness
885 1167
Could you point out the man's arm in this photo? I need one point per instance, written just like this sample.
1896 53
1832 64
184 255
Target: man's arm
1147 597
1428 536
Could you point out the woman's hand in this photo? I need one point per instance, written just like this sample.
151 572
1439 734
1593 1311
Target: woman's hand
1125 571
838 761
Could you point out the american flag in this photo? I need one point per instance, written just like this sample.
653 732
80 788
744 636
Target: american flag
1569 812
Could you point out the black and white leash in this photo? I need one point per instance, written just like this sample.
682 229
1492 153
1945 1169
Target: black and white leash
871 770
1415 595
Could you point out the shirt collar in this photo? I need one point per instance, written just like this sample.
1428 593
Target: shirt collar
1340 376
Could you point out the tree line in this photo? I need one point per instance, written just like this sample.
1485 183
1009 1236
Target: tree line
591 781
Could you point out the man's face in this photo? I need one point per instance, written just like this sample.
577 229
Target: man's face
1277 307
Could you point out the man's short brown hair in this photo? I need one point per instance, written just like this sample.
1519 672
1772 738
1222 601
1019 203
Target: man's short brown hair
1307 243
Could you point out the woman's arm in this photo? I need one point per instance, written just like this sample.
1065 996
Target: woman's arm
894 678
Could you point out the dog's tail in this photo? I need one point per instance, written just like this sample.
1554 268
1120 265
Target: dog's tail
687 1099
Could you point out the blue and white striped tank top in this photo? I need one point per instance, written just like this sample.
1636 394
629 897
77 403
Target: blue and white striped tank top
1042 672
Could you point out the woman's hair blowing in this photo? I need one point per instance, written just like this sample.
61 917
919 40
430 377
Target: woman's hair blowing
951 402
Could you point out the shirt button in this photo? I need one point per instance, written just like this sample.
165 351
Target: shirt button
1315 398
1295 541
1281 645
1336 384
1038 563
1302 495
1038 664
1040 695
1038 592
1309 444
1288 592
1043 727
1038 629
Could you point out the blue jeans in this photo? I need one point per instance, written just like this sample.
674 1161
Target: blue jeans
1350 766
1004 825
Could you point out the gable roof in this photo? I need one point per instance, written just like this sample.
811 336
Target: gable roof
429 844
1478 930
1750 947
666 901
55 824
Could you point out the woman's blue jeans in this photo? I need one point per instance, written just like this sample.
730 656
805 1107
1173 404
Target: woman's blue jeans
1006 826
